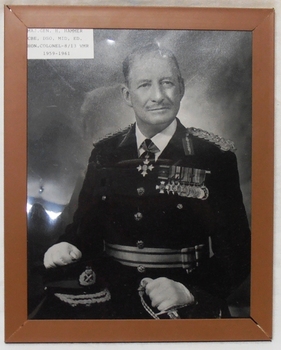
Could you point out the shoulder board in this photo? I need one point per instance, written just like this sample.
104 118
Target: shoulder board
223 144
112 135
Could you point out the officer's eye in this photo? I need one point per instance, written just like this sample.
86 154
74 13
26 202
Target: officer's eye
144 85
167 83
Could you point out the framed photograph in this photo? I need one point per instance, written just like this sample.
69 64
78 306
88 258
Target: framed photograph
138 174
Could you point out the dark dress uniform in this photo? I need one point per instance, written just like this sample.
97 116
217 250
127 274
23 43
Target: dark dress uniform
181 217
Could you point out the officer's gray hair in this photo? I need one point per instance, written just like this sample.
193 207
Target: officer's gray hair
142 51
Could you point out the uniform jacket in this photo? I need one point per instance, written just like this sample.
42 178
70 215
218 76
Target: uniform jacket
120 205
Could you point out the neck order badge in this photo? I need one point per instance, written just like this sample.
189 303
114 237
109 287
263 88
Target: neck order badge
150 149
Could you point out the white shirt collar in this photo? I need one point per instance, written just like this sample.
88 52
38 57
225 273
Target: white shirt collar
160 140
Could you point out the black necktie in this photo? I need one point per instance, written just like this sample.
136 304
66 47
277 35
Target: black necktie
150 149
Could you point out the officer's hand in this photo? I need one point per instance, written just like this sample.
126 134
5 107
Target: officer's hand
165 293
61 254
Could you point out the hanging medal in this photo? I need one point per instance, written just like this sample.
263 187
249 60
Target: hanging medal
162 187
145 166
204 193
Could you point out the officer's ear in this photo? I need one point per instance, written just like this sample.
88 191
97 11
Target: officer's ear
126 94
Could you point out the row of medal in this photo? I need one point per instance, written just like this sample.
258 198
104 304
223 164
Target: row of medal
184 190
184 181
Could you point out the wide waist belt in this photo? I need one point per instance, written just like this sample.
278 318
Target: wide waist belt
157 257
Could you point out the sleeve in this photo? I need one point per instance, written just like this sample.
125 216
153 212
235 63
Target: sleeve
230 239
85 232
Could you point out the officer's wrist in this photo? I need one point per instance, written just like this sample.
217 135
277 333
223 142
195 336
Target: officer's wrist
189 298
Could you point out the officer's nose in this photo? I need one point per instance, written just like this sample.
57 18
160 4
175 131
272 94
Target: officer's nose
156 92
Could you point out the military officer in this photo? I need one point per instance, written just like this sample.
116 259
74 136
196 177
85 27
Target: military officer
160 214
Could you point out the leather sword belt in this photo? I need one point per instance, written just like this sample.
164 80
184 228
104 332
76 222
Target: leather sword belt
186 258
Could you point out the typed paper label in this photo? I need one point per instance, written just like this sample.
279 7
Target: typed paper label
60 43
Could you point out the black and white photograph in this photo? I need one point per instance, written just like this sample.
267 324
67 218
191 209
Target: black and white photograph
139 174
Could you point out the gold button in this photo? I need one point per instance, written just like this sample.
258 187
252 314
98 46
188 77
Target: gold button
140 191
138 216
140 244
141 269
103 198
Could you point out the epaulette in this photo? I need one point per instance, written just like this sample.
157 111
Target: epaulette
223 144
111 135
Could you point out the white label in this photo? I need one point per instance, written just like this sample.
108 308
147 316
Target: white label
60 43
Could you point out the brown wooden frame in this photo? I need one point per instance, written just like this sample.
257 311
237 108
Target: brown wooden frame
17 20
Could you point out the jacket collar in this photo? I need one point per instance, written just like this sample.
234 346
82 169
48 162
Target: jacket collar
130 135
174 149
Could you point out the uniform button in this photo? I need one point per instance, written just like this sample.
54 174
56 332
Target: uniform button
103 198
140 244
140 191
138 216
141 269
179 206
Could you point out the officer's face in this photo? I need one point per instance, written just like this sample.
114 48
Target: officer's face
154 91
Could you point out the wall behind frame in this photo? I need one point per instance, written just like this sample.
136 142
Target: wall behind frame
277 315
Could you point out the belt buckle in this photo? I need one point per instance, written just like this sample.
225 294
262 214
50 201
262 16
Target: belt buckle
188 258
